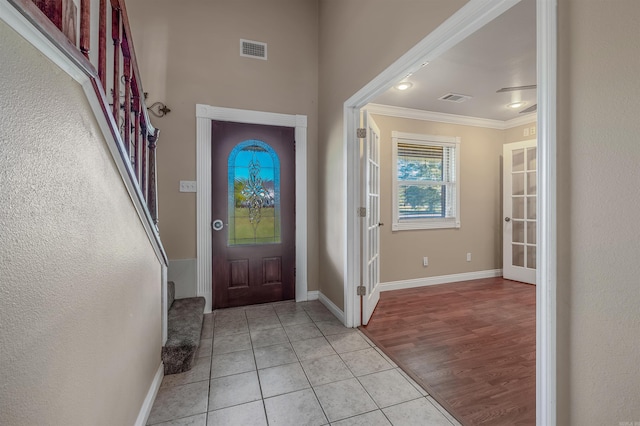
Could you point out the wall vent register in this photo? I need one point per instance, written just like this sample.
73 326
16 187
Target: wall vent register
253 49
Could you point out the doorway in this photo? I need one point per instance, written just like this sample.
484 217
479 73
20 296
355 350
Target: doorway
204 116
474 15
253 210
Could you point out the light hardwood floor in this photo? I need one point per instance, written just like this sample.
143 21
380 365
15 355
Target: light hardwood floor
471 345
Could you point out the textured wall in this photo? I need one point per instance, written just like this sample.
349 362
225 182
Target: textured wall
80 302
598 209
189 54
358 40
401 252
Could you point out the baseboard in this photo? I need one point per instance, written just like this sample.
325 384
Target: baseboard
442 279
331 306
313 295
145 410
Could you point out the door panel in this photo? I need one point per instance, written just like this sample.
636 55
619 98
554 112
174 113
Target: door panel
371 223
519 205
253 211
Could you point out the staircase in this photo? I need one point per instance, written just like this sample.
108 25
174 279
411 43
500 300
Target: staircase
183 334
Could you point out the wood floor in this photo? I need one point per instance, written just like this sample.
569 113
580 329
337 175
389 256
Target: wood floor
471 345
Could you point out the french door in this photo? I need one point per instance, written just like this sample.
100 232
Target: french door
519 211
371 222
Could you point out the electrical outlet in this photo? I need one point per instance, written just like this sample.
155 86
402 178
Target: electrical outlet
425 261
468 257
532 131
187 186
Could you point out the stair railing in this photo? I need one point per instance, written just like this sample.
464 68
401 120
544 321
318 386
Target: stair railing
117 84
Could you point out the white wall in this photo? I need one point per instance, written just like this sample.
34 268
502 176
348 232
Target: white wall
80 286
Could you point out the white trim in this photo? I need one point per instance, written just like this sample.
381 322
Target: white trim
472 16
204 115
441 117
521 121
337 312
145 409
442 279
547 42
164 302
313 295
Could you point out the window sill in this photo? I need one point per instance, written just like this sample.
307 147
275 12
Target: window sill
412 226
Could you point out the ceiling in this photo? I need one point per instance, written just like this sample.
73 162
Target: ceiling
501 54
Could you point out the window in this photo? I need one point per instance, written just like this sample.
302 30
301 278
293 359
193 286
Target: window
254 194
426 176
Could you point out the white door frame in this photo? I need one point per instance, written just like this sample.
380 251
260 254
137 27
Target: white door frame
474 15
204 115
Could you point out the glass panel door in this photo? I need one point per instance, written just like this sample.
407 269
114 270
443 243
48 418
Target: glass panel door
520 189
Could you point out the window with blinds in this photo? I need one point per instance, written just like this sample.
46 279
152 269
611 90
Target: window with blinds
426 181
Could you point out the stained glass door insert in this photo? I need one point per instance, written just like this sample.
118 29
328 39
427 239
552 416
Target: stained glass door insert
254 194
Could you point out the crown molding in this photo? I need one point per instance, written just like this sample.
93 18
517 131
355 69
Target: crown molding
441 117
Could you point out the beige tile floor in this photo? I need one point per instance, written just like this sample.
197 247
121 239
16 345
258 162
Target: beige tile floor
290 364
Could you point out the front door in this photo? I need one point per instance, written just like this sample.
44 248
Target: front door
253 213
519 208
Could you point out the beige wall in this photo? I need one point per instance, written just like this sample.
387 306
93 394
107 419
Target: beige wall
598 212
189 54
401 252
358 40
80 293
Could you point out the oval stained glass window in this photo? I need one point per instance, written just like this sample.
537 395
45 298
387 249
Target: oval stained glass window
254 194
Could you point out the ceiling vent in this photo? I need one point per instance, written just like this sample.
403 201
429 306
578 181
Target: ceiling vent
253 49
454 97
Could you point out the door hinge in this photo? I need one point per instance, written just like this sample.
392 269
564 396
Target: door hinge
361 290
361 132
362 211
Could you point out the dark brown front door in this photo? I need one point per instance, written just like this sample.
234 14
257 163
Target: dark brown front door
253 213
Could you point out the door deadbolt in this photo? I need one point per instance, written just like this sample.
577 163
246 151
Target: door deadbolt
217 225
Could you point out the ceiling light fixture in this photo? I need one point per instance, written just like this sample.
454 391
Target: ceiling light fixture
404 85
516 105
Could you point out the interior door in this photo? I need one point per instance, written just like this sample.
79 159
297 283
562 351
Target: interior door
519 208
253 213
371 223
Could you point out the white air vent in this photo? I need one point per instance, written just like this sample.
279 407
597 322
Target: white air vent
454 97
253 49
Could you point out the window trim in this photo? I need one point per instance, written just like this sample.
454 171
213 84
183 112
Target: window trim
422 139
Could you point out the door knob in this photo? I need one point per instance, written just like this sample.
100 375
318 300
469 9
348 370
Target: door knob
380 224
507 219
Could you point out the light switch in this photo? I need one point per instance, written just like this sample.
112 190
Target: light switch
187 186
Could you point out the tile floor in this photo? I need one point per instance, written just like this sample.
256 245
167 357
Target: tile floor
293 364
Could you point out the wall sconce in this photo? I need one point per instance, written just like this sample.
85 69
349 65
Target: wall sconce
159 109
